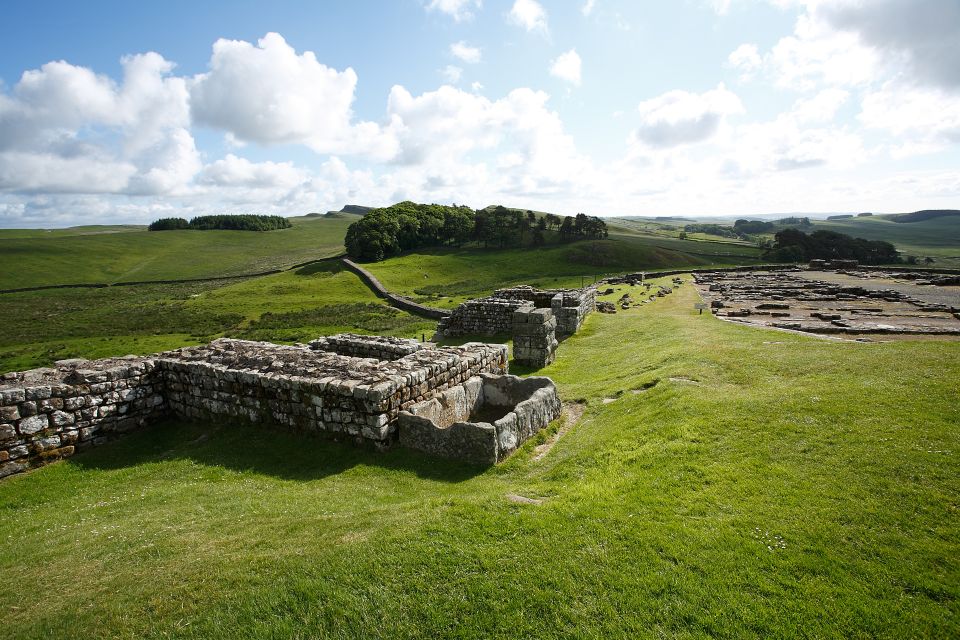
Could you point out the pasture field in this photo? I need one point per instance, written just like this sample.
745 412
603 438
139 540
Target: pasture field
445 278
294 306
36 257
722 481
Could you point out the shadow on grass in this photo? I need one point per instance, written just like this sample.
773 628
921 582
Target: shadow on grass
330 267
261 449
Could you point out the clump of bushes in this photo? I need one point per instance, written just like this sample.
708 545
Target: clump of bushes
229 222
793 245
169 224
406 226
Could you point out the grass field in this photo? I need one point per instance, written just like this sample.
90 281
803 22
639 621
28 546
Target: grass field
298 305
757 484
127 254
444 278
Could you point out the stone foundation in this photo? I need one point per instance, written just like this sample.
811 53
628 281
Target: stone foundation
481 421
45 414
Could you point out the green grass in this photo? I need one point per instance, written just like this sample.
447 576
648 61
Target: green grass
444 278
118 254
938 238
294 306
778 486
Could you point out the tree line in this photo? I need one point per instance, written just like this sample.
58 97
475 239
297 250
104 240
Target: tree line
229 222
793 245
406 226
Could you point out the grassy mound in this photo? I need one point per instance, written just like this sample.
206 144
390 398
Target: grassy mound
741 482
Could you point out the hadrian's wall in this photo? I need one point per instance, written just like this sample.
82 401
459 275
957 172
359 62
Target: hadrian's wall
47 414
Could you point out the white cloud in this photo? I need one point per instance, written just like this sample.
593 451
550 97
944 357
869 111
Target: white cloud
462 51
588 7
920 116
459 10
529 14
567 67
451 73
476 86
680 117
232 171
271 95
67 129
746 58
822 107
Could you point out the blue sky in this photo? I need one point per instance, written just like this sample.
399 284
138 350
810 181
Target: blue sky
123 112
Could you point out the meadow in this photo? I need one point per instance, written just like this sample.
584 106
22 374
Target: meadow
37 257
723 480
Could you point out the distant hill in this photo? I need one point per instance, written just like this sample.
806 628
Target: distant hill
925 214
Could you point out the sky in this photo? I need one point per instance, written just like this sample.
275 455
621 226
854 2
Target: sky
123 112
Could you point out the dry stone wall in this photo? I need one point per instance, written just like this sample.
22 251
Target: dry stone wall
46 414
494 315
379 347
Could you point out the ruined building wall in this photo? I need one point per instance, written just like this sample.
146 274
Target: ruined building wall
494 315
47 414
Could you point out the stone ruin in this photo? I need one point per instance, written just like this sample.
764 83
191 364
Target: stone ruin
649 294
842 302
347 386
481 421
536 318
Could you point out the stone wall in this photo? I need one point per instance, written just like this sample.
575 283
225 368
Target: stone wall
483 317
395 300
362 346
494 315
47 414
481 421
534 337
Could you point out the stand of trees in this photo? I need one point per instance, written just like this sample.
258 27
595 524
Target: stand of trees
244 222
407 225
793 245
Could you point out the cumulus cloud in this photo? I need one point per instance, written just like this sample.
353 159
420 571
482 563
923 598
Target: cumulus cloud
922 33
529 14
459 10
269 94
462 51
66 129
681 117
588 7
567 67
232 171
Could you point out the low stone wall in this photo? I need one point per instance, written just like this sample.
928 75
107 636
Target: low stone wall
316 391
452 425
482 317
379 347
494 315
47 414
534 337
395 300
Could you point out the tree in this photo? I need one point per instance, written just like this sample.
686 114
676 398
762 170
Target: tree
553 221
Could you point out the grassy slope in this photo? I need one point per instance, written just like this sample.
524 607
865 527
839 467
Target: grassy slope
43 326
445 278
31 258
802 487
938 238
